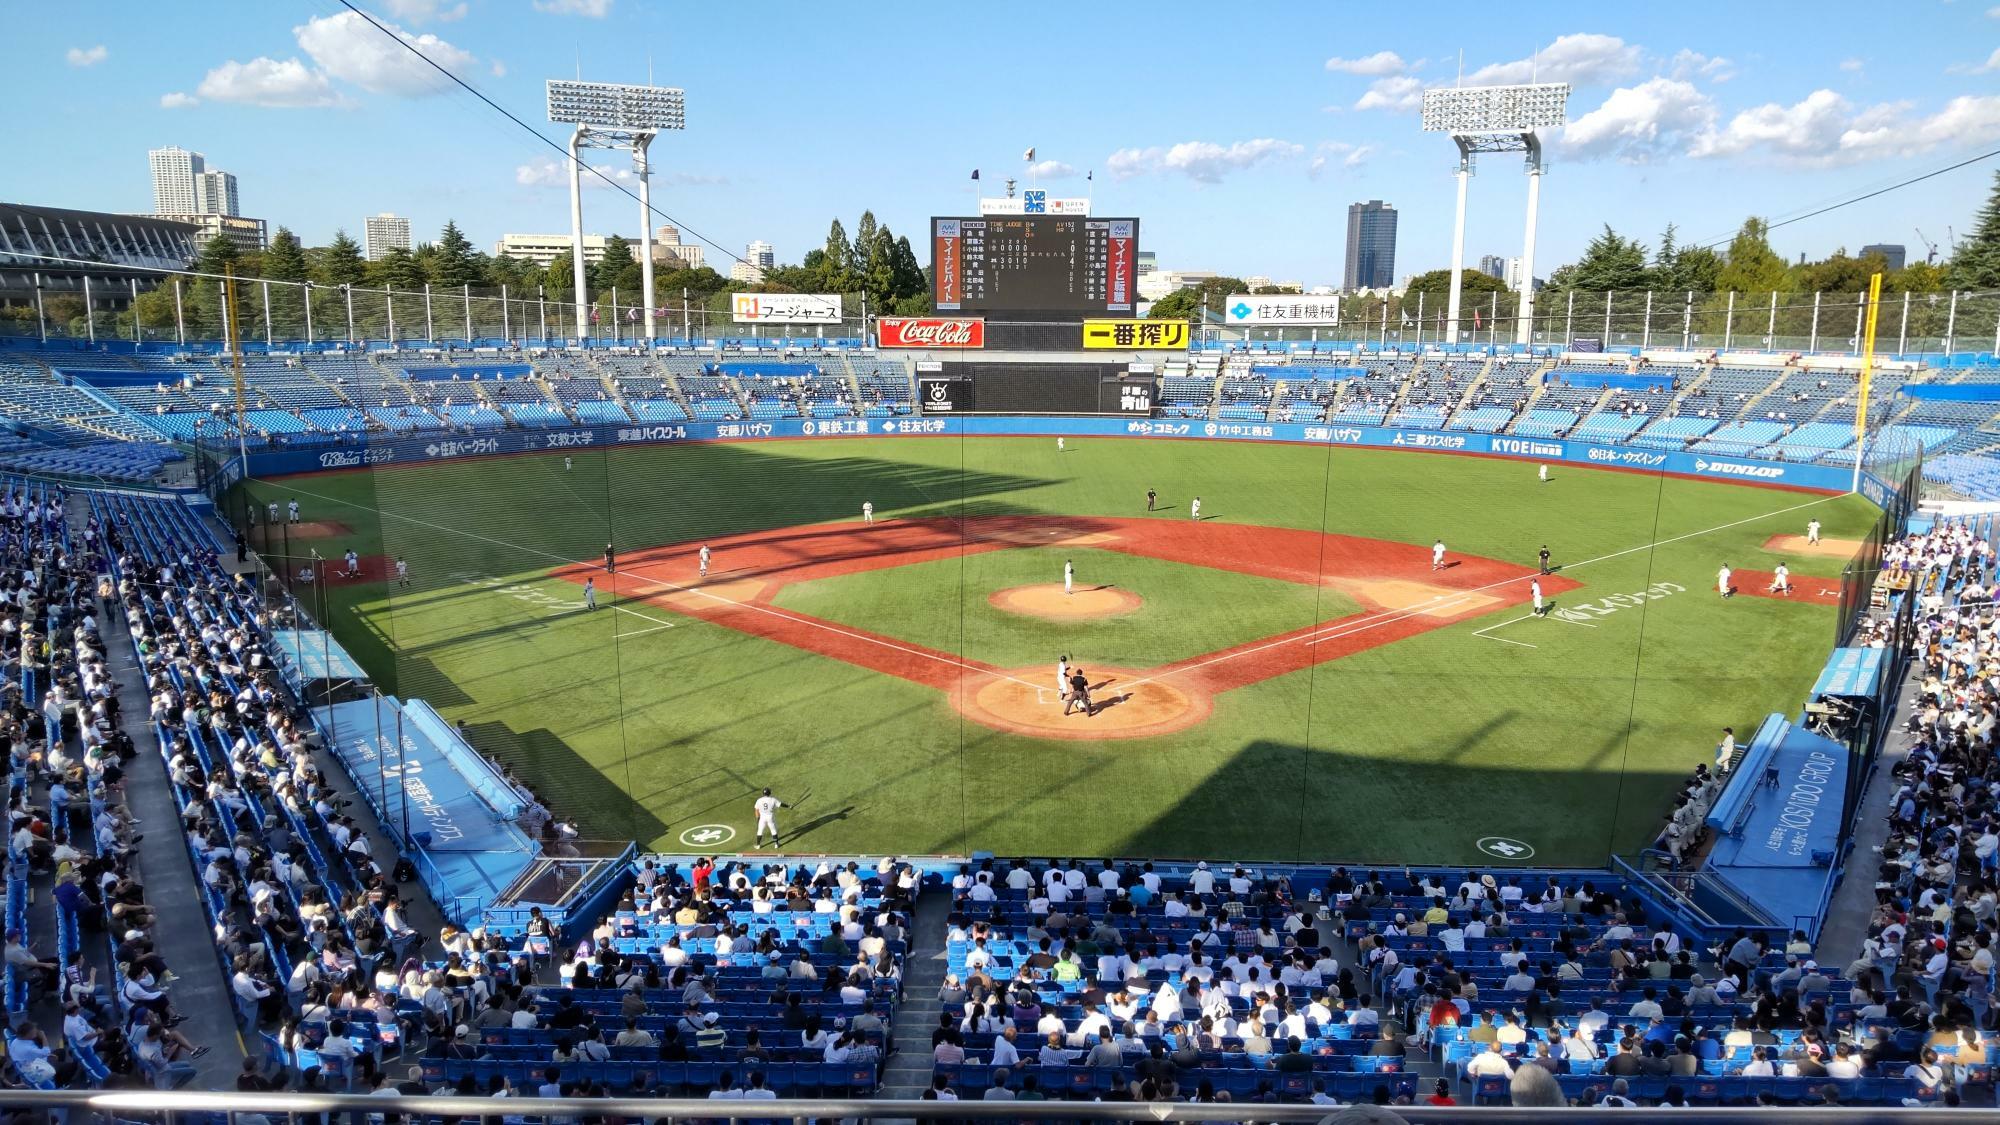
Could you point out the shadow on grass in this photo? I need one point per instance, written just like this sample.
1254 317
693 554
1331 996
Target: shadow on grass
567 783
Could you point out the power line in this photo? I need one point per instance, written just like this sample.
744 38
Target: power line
532 131
1816 212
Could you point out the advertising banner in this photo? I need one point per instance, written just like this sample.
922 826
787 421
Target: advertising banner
1035 201
1129 394
944 394
1121 264
1259 310
931 332
785 308
947 258
1162 335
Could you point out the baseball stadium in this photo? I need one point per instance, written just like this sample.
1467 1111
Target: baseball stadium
990 671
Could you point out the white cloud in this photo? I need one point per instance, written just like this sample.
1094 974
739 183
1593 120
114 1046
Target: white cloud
1350 156
349 48
87 56
1851 65
1202 161
266 82
1688 64
1992 62
1379 63
1051 170
1638 123
1399 94
549 172
593 9
1582 59
1993 13
499 69
424 11
178 100
1824 128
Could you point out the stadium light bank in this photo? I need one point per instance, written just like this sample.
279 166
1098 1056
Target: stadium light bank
1496 119
614 116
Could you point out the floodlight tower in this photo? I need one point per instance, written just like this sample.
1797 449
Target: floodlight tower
1496 119
615 116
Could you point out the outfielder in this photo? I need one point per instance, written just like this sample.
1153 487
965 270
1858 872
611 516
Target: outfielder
1194 510
1059 445
868 511
566 464
767 808
1544 474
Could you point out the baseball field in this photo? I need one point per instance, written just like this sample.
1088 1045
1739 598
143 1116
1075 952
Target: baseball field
1290 676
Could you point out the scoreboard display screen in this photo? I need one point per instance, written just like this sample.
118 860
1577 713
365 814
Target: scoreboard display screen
1035 263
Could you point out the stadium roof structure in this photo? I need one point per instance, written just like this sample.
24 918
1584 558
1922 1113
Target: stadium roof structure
31 235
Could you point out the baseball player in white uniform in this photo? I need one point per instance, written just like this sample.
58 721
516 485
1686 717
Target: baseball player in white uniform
590 593
1722 581
293 509
1069 577
1543 472
868 511
1437 555
1062 677
1194 510
1781 580
704 560
1812 531
1059 445
767 808
566 464
1535 588
402 572
353 564
273 508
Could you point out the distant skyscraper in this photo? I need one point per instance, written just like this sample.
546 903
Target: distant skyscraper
1493 265
215 194
759 254
1892 252
385 232
175 172
1371 245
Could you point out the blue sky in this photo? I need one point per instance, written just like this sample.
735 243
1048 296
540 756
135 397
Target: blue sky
1238 133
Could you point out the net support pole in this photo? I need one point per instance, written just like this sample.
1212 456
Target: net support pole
1729 322
1458 243
576 232
1524 323
1867 376
308 298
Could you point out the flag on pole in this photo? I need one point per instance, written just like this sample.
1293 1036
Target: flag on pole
975 173
1089 176
1029 155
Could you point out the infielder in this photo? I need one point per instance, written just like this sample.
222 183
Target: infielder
704 561
1437 555
1812 531
1069 577
1535 588
589 594
1722 581
1194 510
1781 580
767 808
867 511
1151 499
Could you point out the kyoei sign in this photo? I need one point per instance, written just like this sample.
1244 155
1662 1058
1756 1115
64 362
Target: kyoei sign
932 332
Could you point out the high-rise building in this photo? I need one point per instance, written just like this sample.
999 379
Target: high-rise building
542 249
175 171
758 257
1493 265
215 194
1371 245
1892 252
383 233
1148 262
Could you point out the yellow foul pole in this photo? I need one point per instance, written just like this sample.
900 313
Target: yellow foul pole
1867 376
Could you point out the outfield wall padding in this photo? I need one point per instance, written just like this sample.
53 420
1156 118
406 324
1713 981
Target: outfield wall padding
436 448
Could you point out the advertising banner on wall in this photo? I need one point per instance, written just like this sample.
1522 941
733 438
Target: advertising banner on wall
785 308
931 332
1162 335
943 394
1277 310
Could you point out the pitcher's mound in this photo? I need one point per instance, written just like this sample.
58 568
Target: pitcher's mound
1047 601
1825 548
1127 704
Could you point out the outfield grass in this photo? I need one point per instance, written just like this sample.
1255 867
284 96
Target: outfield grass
646 722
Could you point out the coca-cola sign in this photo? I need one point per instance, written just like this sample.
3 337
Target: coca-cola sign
932 332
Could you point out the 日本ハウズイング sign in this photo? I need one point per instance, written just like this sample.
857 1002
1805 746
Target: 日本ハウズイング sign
1163 335
785 308
1279 309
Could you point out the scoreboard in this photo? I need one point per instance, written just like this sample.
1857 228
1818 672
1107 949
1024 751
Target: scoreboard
1035 263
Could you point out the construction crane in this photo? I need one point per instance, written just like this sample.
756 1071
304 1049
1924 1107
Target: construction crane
1930 249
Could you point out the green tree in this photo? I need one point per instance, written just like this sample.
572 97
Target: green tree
1975 261
1436 288
839 257
398 269
339 262
617 269
455 262
285 259
907 278
1751 266
216 254
1193 302
1610 261
559 279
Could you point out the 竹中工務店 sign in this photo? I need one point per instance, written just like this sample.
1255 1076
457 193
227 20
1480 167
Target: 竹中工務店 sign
1255 309
785 308
1164 335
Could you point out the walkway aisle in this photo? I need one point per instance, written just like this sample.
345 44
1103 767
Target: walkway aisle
1854 900
909 1067
166 869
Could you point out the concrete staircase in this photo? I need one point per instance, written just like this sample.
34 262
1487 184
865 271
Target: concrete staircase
908 1069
